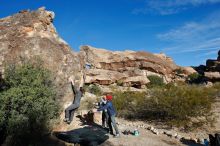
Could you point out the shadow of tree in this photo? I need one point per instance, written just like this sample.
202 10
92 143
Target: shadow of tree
87 119
190 143
86 136
90 135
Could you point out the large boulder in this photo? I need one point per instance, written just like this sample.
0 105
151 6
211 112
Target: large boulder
115 65
109 60
103 77
213 65
213 76
136 81
188 70
211 70
218 58
31 34
164 57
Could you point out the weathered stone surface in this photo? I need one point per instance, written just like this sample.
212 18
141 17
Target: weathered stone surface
213 65
111 88
212 75
211 69
188 70
103 77
107 67
164 57
31 34
136 81
209 84
200 69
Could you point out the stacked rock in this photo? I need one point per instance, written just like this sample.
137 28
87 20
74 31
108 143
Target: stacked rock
212 72
218 58
213 65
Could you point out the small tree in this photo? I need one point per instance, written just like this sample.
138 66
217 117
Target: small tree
155 81
195 78
95 89
27 104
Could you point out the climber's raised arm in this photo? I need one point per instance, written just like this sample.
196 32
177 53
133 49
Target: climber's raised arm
72 81
82 80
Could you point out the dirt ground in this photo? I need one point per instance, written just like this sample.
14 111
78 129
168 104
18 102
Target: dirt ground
82 133
145 138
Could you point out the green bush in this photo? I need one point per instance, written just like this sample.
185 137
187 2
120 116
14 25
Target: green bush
27 104
179 103
173 104
155 81
119 82
195 78
128 103
94 89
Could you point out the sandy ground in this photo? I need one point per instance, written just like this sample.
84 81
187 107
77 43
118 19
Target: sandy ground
146 138
87 134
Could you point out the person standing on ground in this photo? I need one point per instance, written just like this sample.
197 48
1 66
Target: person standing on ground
69 111
111 113
104 113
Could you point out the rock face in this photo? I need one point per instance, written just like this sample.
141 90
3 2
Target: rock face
128 68
213 65
212 75
31 34
188 70
212 70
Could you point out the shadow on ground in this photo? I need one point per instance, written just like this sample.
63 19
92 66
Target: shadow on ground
190 143
90 135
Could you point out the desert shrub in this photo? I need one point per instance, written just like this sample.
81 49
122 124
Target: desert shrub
216 89
155 81
88 103
173 104
94 89
27 104
128 103
195 78
179 103
119 82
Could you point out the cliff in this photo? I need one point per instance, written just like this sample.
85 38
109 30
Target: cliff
31 34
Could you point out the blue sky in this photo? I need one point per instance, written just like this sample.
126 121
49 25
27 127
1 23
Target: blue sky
186 30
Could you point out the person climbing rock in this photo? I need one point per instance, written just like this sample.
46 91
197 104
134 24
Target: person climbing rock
69 111
111 114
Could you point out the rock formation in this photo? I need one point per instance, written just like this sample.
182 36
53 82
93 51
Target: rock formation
213 64
28 35
31 34
128 68
212 72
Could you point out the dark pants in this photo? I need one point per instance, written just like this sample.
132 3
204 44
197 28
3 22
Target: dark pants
69 111
105 119
111 122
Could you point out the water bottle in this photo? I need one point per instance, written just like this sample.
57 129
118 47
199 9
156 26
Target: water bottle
136 132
